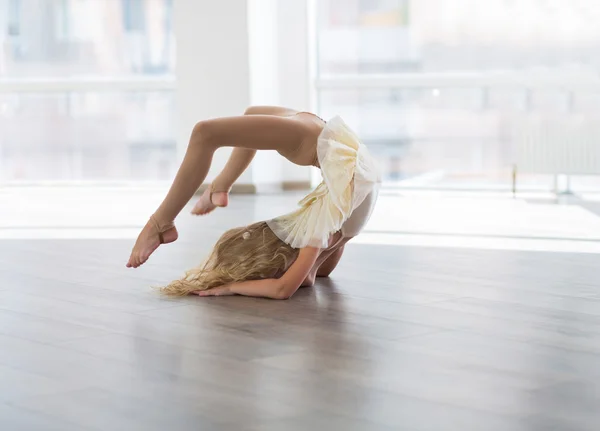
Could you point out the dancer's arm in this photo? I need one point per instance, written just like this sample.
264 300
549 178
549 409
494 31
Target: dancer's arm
275 288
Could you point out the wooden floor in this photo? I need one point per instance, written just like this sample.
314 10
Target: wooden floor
400 338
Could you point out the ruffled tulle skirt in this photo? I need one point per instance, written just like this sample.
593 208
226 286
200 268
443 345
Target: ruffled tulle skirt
349 173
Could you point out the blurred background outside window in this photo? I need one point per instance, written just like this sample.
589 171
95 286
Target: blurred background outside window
438 88
92 98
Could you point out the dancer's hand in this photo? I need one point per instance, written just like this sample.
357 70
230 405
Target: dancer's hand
215 291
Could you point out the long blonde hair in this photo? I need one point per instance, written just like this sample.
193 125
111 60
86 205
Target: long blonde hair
246 253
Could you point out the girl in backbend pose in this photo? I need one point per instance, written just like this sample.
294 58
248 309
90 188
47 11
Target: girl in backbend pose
273 258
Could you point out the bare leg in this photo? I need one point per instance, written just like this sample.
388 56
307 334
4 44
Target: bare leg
217 194
329 265
327 260
259 132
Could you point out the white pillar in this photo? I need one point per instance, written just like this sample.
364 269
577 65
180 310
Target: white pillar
212 67
264 76
295 78
279 71
235 53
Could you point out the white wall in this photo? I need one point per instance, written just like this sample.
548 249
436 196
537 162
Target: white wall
236 53
212 67
266 167
295 87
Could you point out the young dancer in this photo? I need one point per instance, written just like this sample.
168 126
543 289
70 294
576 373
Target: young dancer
349 176
254 261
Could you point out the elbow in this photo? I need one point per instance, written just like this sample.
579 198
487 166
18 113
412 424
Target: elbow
284 292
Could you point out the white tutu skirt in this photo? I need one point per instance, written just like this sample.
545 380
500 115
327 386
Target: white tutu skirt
349 173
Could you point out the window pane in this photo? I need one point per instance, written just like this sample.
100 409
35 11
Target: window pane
455 137
48 38
381 36
467 132
417 131
87 136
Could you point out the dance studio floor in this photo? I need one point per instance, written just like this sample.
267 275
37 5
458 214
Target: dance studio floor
450 313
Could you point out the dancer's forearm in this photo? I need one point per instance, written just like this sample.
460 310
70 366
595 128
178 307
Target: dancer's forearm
284 287
268 288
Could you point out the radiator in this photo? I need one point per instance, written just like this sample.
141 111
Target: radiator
555 145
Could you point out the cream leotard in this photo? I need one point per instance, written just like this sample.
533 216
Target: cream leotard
360 216
345 198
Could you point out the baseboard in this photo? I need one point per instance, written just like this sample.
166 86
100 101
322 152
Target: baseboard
252 189
289 186
237 189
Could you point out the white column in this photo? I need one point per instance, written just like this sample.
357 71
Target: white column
235 53
212 67
279 70
264 76
295 80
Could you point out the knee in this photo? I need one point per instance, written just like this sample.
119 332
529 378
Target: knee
309 281
324 272
202 134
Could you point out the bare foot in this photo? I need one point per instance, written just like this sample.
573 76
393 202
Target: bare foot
149 240
209 201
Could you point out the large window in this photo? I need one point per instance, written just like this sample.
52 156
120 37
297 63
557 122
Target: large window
435 86
59 38
84 90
